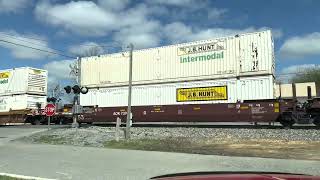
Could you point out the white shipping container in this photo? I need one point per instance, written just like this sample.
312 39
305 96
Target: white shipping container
301 90
228 57
20 102
23 80
249 88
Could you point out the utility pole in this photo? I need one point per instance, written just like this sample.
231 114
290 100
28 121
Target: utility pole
127 134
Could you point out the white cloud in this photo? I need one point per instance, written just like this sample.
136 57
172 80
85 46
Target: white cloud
7 6
141 36
215 14
103 18
113 4
187 10
136 16
82 17
86 48
132 24
175 2
301 46
59 71
16 41
127 25
277 33
178 32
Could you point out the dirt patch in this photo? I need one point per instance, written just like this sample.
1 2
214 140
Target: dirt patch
228 147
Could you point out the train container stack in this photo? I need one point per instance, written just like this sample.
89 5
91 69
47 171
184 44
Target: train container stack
218 71
229 79
221 70
22 91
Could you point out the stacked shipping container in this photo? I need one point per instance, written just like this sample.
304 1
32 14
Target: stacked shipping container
22 88
231 90
219 70
286 92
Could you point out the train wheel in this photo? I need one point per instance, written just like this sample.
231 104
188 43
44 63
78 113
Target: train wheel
286 121
316 121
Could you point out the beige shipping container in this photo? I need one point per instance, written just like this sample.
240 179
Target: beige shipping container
248 54
23 80
228 90
21 102
301 90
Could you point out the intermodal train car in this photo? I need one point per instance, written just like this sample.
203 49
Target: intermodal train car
287 112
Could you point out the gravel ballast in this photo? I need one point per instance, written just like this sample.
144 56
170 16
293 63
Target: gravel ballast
96 135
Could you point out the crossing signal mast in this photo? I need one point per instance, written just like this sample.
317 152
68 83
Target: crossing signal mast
76 90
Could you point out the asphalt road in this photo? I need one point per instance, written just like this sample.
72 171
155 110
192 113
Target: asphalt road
70 162
8 133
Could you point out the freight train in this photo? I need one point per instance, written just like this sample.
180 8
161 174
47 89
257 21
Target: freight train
228 79
23 96
36 116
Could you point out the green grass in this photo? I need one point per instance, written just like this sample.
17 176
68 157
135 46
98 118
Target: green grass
9 178
229 147
185 145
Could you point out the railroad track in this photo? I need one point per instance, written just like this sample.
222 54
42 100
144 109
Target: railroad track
169 125
226 126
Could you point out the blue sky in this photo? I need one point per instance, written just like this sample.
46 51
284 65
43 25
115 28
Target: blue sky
75 26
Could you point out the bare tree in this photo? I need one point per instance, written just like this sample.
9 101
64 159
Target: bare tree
92 51
308 75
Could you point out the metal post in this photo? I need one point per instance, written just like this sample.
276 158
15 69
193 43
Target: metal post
79 78
55 107
129 94
117 133
49 122
75 123
294 97
76 100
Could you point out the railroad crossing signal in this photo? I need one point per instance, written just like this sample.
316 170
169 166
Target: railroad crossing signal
50 109
76 89
52 99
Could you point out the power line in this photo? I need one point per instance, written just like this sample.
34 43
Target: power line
25 37
293 73
18 38
47 51
23 40
97 45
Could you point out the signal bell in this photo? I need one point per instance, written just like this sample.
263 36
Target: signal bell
84 90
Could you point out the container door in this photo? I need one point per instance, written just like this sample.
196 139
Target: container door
248 54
